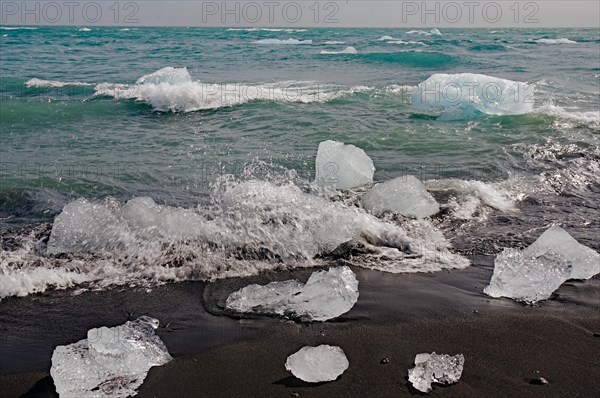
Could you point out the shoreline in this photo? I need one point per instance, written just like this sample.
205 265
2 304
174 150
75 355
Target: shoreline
397 316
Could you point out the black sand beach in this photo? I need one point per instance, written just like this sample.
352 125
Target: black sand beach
506 345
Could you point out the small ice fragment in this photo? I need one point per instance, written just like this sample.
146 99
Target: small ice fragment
434 368
326 295
317 364
527 279
585 262
342 166
405 195
111 362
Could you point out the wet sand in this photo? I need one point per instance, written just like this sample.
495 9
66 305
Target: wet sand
505 343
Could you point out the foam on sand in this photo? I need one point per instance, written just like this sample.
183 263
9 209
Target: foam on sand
460 96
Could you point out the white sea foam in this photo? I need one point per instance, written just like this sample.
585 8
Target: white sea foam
84 30
35 82
172 89
432 32
287 30
284 41
17 28
252 226
491 195
333 42
462 95
409 43
561 40
347 50
571 118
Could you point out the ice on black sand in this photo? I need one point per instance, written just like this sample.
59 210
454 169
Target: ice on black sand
111 362
317 364
326 295
434 368
535 273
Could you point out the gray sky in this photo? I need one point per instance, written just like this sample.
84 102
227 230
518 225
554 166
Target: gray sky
304 13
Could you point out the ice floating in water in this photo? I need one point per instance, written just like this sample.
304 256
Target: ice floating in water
317 364
342 166
84 226
461 95
286 41
584 261
535 273
404 195
347 50
561 40
111 362
434 368
326 295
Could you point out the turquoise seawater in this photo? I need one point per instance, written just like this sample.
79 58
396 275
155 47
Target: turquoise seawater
185 117
60 143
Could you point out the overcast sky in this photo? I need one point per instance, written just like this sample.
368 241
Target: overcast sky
304 13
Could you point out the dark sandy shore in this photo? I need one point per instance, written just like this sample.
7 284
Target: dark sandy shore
505 344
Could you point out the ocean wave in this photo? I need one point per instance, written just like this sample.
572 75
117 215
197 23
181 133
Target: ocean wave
570 119
432 32
39 83
287 30
252 226
84 29
172 89
17 28
347 50
333 42
289 41
409 43
561 40
414 57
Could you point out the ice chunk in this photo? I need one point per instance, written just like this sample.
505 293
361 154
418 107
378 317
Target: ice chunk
85 226
434 368
405 195
461 95
326 295
584 261
167 75
111 362
528 279
317 364
534 273
342 166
